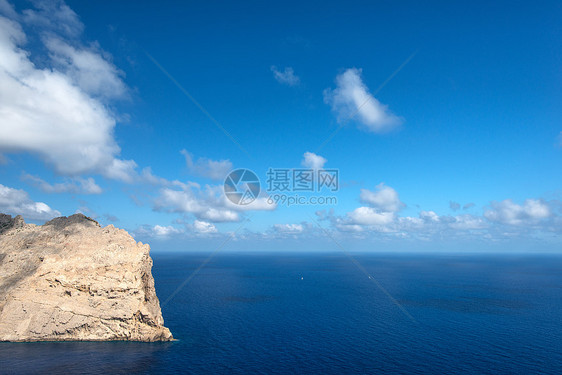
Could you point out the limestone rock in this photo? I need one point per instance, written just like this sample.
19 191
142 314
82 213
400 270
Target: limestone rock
71 279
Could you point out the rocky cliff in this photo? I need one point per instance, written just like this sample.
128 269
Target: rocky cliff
71 279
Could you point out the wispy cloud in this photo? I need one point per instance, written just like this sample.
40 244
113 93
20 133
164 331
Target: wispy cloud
286 77
203 167
77 185
88 68
351 100
468 206
55 16
455 206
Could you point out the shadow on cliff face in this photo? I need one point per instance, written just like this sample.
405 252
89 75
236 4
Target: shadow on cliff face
28 262
7 223
24 263
61 223
77 357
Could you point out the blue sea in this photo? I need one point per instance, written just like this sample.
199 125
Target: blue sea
322 313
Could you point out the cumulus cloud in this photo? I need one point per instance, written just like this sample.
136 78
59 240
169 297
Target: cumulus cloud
351 99
383 198
500 220
198 228
467 222
208 203
313 161
428 224
165 231
286 77
508 212
58 111
288 228
213 169
429 216
18 202
76 185
370 216
204 227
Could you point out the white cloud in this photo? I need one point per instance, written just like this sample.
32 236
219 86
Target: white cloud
88 68
467 222
429 216
369 216
17 202
7 9
121 170
384 198
455 206
215 170
381 217
75 185
217 214
313 161
57 111
346 227
146 176
208 203
204 227
54 16
287 76
508 212
534 216
288 228
198 228
351 99
161 231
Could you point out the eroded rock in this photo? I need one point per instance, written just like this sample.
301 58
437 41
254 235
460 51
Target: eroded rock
71 279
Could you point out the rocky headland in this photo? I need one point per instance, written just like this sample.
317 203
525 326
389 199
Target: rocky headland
71 279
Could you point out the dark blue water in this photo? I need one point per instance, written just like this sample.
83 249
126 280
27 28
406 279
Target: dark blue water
285 314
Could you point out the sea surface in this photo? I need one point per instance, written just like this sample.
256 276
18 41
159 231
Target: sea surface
329 314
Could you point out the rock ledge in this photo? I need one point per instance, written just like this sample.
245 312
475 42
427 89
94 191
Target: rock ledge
71 279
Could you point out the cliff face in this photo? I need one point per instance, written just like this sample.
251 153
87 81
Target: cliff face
71 279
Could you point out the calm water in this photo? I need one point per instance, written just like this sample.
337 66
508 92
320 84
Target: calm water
319 314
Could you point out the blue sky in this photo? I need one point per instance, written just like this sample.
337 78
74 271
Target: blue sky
447 120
